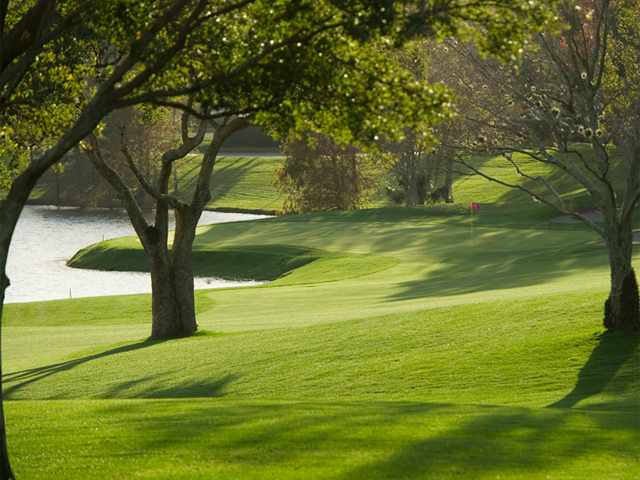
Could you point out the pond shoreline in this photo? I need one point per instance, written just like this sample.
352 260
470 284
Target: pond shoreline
247 211
46 237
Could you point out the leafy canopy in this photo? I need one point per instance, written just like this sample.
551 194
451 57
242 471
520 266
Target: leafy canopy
291 64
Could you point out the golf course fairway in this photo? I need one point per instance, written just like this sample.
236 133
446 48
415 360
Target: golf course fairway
393 345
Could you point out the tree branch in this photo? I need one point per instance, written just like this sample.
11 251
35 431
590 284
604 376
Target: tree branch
94 153
561 207
174 202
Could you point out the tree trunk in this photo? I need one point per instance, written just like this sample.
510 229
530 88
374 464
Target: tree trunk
164 301
181 259
173 299
448 181
57 188
622 308
5 466
10 210
411 189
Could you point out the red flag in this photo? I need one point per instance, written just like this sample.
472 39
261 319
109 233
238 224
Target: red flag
475 205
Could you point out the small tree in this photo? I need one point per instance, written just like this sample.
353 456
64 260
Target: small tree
419 157
319 174
172 299
417 166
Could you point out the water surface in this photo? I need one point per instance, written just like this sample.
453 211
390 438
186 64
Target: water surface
46 237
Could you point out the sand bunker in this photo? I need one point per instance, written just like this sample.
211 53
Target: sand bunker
592 214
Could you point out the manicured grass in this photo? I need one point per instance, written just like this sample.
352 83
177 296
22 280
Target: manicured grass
204 439
243 182
399 351
252 262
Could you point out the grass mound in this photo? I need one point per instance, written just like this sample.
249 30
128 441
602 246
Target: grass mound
252 262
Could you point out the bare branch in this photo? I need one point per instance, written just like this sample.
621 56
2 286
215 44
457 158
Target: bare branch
173 201
94 153
561 206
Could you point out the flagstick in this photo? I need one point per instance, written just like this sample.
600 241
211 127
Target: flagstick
472 224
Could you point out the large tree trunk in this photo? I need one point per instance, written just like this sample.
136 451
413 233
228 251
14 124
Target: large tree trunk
164 301
173 299
181 258
5 465
622 308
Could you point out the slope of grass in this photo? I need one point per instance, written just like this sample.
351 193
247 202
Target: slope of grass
475 188
204 439
257 262
400 352
243 183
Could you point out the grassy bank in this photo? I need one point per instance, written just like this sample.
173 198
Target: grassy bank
250 262
238 183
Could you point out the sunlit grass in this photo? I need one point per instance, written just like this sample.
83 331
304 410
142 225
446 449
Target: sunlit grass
243 183
204 439
395 349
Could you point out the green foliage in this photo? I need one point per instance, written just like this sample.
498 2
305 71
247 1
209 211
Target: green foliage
293 65
319 174
152 114
621 75
12 161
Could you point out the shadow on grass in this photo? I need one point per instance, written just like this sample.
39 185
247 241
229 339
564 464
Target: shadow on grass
488 270
27 377
225 178
520 443
209 388
387 440
151 386
606 360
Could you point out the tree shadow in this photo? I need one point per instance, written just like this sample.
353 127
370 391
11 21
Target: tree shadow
206 388
387 440
34 375
464 273
151 386
515 442
225 178
611 353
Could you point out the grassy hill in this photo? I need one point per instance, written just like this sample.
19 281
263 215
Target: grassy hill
388 347
241 183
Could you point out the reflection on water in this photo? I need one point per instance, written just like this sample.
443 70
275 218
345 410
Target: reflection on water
46 237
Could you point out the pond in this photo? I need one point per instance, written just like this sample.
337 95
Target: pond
46 237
